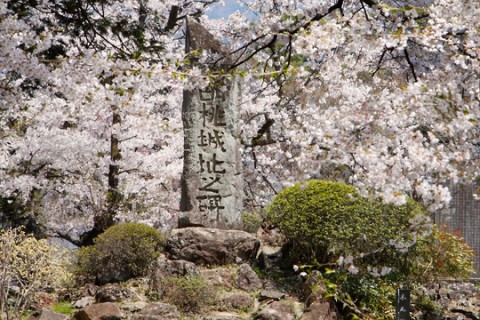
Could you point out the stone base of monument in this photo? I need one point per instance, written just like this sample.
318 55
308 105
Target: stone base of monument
208 246
191 219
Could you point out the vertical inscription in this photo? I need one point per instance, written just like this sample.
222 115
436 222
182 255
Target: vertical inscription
212 150
403 305
212 188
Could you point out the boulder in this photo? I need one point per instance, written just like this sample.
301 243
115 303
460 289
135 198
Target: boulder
238 301
84 301
157 311
270 236
270 257
220 277
320 311
221 316
47 314
270 254
277 310
271 295
112 293
100 311
210 246
134 306
168 268
247 279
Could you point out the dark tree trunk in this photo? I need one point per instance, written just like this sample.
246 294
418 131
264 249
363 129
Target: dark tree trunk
105 219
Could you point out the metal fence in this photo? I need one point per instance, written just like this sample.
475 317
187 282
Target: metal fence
464 219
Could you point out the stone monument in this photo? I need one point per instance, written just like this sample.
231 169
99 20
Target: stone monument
212 180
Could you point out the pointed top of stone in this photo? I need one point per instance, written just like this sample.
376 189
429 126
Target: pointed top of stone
198 37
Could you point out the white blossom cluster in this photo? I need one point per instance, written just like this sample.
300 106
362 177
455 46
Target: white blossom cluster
384 97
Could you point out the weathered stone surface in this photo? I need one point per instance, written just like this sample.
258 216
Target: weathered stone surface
212 246
112 293
320 311
100 311
62 243
453 300
270 236
219 277
277 310
168 268
247 278
198 37
212 180
271 295
237 301
270 258
47 314
221 316
270 255
134 306
83 302
157 311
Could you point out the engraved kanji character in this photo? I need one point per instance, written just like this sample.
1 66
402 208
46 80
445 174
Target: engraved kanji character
208 186
211 166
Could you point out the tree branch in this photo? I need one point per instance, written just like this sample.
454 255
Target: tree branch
412 68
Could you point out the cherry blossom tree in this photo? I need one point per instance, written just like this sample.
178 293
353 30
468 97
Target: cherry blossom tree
90 124
384 95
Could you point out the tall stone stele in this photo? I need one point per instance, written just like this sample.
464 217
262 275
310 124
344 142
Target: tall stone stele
212 180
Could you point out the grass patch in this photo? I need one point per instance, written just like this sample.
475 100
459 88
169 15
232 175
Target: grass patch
63 307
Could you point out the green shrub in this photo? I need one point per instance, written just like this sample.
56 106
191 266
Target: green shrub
251 221
122 252
190 294
323 220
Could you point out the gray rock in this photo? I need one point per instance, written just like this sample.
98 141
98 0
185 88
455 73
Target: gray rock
198 37
443 292
112 293
320 311
157 311
277 310
270 258
219 277
221 316
83 302
168 268
100 311
47 314
134 306
212 246
270 255
271 295
62 243
247 279
270 236
239 301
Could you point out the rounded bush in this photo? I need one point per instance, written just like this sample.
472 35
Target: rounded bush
122 252
323 220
